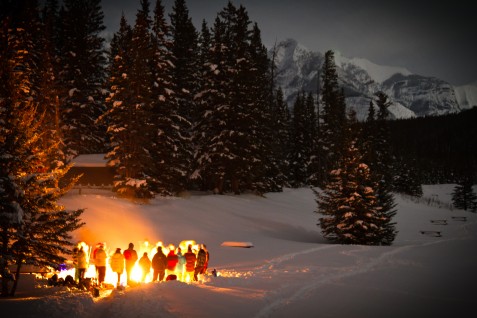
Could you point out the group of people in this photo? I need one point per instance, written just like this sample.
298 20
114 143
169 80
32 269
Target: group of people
171 265
176 265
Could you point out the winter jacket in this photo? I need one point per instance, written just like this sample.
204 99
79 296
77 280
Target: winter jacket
190 261
159 261
100 257
181 262
117 262
172 261
130 255
145 264
81 259
201 258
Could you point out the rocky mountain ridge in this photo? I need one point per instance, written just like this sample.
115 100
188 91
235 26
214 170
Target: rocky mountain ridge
412 95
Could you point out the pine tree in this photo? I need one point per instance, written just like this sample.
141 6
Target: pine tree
349 209
213 113
299 147
382 166
332 118
313 162
281 143
34 229
129 115
171 148
303 140
234 111
82 75
125 120
463 196
405 178
185 52
241 123
265 164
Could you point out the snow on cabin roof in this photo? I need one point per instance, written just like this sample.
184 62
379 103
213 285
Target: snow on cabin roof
90 160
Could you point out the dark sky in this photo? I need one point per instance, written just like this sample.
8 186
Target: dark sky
427 37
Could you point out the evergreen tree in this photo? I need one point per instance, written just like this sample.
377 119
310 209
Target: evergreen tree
241 124
303 140
213 107
382 164
332 118
463 196
233 108
171 148
313 162
129 116
185 52
299 151
405 178
204 46
281 143
83 60
349 209
265 165
124 118
34 229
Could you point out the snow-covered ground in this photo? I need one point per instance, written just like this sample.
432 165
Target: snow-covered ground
290 271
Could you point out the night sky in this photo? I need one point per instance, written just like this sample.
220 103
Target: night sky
426 37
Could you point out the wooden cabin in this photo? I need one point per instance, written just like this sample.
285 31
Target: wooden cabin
94 171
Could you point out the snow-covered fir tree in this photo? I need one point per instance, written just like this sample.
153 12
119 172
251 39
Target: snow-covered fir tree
185 50
281 141
377 154
405 179
34 228
265 172
170 149
82 61
463 196
232 111
300 143
303 140
348 207
332 118
124 118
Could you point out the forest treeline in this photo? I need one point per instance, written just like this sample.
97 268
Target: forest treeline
175 108
441 149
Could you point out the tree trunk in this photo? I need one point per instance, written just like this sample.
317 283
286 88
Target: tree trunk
17 277
219 185
235 185
4 283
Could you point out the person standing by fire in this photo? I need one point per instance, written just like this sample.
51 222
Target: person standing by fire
130 255
117 264
180 264
190 263
145 264
201 260
159 263
206 265
82 264
100 259
172 260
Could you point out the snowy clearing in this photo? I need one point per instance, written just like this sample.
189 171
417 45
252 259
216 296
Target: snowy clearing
290 271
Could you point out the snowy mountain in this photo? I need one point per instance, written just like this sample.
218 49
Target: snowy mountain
412 95
467 95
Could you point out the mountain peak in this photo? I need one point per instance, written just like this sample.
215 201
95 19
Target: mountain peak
298 69
379 73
